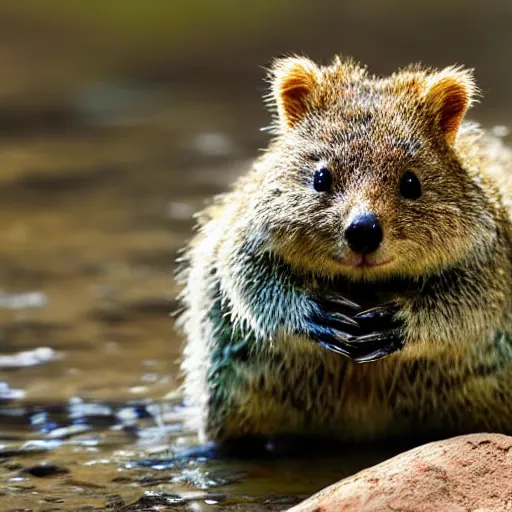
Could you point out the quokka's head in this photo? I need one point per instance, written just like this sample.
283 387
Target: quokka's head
364 177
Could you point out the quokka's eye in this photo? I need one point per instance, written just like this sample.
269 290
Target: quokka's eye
322 180
410 186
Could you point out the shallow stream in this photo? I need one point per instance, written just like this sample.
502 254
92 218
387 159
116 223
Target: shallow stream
98 184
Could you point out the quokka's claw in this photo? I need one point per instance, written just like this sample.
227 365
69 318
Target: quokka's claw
367 336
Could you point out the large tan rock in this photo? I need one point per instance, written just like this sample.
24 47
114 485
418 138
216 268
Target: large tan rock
471 473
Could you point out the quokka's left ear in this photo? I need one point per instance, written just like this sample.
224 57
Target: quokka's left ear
447 95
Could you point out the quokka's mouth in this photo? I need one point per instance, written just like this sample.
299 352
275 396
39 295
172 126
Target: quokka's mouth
363 262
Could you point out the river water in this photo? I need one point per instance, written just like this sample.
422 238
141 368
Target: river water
97 194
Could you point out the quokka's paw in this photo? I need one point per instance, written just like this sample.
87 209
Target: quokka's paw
364 336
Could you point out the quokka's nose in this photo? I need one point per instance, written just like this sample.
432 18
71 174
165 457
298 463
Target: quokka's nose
364 234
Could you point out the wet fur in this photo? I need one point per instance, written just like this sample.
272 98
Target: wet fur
265 248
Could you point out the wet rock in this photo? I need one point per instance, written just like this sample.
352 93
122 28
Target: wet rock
45 470
456 475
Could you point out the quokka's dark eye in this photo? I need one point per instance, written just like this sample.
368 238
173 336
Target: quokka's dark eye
410 186
323 179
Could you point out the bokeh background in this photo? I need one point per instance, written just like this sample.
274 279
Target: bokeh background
118 119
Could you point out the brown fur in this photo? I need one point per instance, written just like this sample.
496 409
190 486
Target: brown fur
265 247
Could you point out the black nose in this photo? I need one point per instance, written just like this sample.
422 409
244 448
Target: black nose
364 235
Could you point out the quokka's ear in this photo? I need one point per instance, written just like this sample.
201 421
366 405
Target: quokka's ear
448 95
294 82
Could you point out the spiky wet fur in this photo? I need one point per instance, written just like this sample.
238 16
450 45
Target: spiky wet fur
263 250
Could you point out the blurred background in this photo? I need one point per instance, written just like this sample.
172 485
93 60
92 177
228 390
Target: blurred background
118 119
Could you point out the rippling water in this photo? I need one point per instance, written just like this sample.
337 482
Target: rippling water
96 200
91 221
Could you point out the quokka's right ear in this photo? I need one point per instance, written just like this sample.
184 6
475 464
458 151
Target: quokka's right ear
294 81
